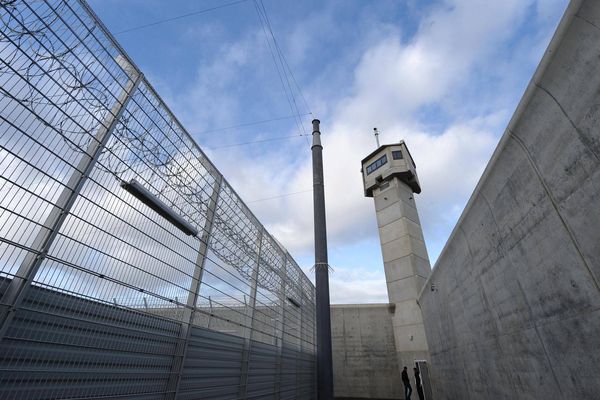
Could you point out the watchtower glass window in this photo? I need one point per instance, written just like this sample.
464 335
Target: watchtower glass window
376 164
397 155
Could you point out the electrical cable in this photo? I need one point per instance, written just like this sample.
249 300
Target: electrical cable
283 68
285 65
163 21
279 66
264 121
254 141
284 71
279 196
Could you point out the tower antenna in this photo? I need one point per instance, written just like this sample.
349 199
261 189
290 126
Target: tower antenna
376 132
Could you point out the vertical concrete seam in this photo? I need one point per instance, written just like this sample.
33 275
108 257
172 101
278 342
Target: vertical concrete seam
505 254
521 144
344 339
582 137
556 208
460 228
537 332
467 345
501 250
487 304
528 309
586 20
466 379
489 206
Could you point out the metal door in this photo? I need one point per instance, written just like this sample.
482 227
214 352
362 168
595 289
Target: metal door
425 379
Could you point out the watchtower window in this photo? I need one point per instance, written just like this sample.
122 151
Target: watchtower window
376 164
397 155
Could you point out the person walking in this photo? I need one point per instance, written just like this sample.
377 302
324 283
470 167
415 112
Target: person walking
406 381
418 384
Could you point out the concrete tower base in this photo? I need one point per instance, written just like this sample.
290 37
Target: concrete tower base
405 262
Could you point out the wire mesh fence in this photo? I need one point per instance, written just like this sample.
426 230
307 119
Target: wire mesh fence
128 266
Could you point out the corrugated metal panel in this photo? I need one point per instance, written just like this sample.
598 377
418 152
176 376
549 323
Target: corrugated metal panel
262 371
290 365
212 366
83 349
74 353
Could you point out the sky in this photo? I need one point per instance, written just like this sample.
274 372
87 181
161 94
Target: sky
445 76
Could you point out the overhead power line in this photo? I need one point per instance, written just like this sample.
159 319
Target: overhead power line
279 196
264 121
286 76
254 141
284 62
191 14
281 66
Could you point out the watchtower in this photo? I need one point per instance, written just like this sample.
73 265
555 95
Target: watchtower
390 178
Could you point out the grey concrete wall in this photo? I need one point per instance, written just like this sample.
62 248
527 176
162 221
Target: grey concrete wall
516 308
364 354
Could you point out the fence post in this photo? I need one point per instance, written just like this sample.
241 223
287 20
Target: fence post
190 309
281 328
300 354
250 319
21 282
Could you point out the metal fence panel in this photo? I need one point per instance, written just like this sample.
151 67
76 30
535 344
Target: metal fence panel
61 346
128 266
262 374
212 366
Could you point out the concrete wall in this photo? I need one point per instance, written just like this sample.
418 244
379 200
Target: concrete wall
364 354
516 308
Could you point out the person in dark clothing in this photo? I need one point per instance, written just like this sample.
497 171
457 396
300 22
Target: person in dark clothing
418 384
407 387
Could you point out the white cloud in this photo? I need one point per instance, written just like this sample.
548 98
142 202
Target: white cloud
394 79
450 166
391 81
456 42
358 285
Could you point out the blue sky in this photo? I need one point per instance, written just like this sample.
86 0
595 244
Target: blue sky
445 76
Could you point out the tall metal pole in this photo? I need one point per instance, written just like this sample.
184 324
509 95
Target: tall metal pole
324 363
